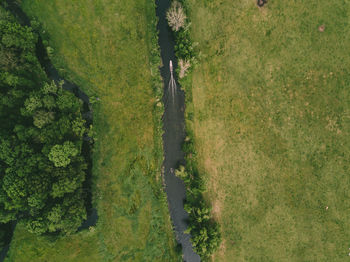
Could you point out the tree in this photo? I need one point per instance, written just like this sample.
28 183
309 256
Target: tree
61 155
176 16
42 168
41 118
184 66
205 233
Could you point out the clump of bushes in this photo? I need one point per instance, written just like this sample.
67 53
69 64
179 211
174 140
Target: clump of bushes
204 231
42 165
184 47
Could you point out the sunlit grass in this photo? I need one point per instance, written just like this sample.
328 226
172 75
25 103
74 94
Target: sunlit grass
105 46
79 247
271 121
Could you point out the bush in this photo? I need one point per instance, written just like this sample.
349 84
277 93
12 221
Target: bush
205 232
184 48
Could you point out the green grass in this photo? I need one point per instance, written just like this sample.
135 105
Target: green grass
109 48
271 107
79 247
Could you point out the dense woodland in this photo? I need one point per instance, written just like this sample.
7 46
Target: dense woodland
42 168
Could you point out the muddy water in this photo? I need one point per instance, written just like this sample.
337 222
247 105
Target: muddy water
174 135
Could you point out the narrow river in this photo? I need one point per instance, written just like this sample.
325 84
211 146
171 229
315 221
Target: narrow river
173 124
174 135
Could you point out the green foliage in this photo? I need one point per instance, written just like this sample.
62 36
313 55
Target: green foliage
65 216
205 232
184 47
41 118
32 103
41 163
67 102
61 155
188 146
79 129
184 175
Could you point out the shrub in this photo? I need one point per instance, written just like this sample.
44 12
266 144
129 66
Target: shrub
188 147
61 155
205 232
184 48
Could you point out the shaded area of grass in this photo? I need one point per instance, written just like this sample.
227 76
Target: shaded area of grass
79 247
108 48
271 121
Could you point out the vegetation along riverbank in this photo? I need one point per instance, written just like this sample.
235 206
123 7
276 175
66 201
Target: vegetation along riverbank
204 230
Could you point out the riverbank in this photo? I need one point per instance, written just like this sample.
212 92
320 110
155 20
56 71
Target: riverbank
99 53
270 120
174 135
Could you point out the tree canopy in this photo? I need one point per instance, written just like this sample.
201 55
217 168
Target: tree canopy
42 168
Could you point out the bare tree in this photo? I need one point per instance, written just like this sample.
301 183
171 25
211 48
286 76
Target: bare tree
176 16
184 65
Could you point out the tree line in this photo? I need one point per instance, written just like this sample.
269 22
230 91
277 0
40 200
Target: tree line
42 168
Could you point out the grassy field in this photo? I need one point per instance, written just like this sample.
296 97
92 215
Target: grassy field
109 49
271 107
